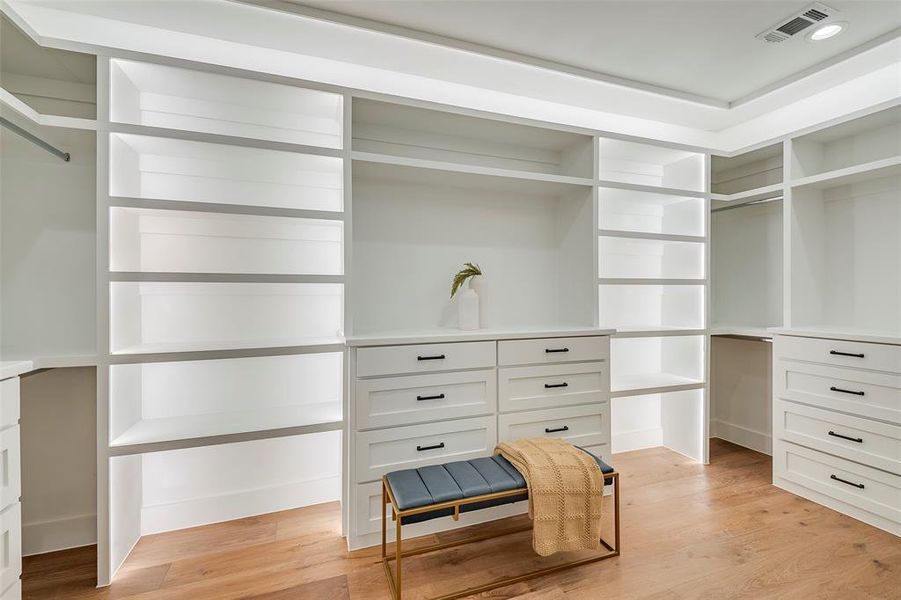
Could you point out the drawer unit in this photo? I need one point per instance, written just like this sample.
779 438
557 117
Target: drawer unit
580 425
552 350
549 386
865 441
871 490
422 358
382 451
10 546
9 402
840 353
10 467
863 393
391 401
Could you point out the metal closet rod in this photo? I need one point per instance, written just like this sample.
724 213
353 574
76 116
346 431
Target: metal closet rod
754 203
34 139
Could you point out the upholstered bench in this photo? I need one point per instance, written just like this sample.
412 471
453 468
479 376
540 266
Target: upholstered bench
417 495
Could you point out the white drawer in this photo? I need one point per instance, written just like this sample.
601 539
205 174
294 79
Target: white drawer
581 425
861 355
552 350
871 490
9 402
10 467
420 358
548 386
13 592
872 443
864 393
390 401
385 450
10 545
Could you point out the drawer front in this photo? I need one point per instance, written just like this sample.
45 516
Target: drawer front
10 467
391 401
385 450
581 425
9 402
861 355
10 545
872 443
864 393
552 350
422 358
549 386
869 489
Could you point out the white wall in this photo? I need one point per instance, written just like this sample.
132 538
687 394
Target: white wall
741 392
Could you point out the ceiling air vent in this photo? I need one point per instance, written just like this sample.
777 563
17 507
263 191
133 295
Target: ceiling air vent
790 26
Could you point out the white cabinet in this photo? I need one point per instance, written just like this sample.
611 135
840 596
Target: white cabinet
416 404
10 491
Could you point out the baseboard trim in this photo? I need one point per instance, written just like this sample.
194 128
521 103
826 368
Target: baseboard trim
40 537
638 439
743 436
246 503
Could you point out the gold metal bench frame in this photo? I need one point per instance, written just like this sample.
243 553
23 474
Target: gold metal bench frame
395 581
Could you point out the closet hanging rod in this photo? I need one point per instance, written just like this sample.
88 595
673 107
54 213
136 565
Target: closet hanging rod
754 203
34 139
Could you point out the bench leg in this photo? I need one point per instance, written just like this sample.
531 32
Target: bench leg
397 545
384 516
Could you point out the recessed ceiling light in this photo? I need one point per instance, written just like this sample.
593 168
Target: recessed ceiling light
827 31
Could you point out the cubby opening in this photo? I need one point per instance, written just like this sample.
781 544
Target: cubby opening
411 132
675 420
648 212
166 401
188 171
628 308
761 168
861 143
643 363
177 241
185 316
187 100
175 489
414 228
656 166
625 258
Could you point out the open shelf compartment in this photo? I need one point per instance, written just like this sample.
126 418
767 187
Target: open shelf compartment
655 166
651 213
675 420
759 169
649 363
187 100
620 258
651 307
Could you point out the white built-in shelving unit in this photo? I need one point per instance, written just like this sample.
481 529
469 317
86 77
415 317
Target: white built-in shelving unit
222 268
652 275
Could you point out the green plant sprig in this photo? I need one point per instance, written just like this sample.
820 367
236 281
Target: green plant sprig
469 270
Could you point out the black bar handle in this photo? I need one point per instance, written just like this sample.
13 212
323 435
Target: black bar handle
857 485
435 357
554 350
424 448
838 389
844 437
851 354
435 397
556 385
556 430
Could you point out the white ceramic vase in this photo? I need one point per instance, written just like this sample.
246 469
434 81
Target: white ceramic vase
468 308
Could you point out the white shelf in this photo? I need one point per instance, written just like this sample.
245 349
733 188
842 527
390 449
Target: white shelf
656 331
762 193
311 343
14 368
628 307
741 331
650 383
649 281
310 418
648 363
641 235
747 176
456 335
841 333
885 167
658 260
653 166
14 104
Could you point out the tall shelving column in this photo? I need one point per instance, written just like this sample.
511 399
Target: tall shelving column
221 271
652 287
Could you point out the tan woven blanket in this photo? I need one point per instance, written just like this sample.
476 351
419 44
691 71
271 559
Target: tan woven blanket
565 493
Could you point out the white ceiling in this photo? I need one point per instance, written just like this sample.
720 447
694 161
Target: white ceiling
702 48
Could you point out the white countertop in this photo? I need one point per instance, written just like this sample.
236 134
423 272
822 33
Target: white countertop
14 368
841 333
435 336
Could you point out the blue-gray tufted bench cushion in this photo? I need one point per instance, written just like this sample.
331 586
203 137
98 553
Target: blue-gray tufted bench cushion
414 488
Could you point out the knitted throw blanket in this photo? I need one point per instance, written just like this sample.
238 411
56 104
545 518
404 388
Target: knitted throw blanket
565 493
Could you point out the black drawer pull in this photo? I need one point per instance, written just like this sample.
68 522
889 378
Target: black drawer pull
844 437
424 448
556 430
436 357
836 389
851 354
435 397
857 485
554 350
556 385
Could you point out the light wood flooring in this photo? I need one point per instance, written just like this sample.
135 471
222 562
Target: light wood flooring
689 531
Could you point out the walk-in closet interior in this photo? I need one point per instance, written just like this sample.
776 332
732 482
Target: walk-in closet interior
227 241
